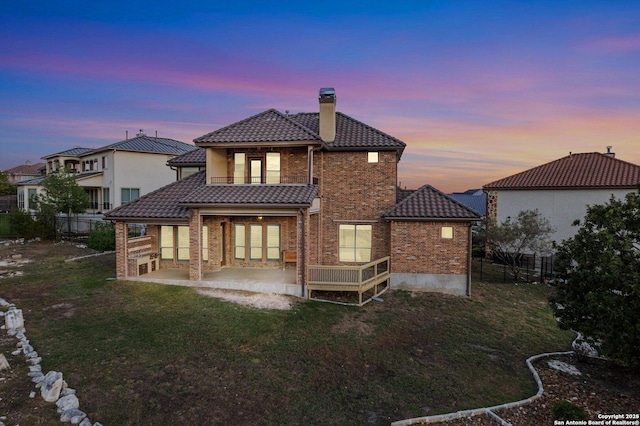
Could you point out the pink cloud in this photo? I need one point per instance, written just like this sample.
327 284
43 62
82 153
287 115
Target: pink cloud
613 45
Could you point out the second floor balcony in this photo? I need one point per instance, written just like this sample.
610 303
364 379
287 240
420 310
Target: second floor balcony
260 180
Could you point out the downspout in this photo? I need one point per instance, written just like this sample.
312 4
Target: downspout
469 250
303 252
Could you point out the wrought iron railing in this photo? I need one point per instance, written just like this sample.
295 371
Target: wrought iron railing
282 180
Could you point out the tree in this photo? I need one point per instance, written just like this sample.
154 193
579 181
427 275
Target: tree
62 194
599 293
5 187
508 241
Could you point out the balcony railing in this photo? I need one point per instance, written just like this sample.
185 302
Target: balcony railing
369 280
282 180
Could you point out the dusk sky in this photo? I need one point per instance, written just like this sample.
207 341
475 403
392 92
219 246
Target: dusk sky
477 90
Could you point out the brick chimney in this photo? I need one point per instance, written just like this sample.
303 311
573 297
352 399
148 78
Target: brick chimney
327 114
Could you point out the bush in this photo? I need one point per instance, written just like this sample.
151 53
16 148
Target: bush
564 410
23 224
103 237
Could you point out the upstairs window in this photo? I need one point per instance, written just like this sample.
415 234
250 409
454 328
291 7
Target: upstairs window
273 167
127 195
105 163
372 157
446 232
238 167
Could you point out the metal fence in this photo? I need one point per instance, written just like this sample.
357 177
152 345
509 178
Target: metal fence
75 226
532 268
8 202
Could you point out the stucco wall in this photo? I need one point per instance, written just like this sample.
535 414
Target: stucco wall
147 172
561 207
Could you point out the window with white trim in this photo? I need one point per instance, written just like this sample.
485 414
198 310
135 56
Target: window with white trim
273 242
255 242
355 243
183 243
205 243
238 167
166 242
273 167
239 242
372 157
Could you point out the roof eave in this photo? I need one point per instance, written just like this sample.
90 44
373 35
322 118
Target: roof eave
247 205
260 144
430 219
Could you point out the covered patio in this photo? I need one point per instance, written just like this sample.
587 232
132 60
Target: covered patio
259 280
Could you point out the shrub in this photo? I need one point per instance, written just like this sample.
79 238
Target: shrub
103 237
564 410
23 224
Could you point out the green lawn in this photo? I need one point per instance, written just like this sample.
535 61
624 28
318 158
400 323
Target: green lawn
154 354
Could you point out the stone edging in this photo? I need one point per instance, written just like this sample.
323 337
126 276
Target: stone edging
487 410
52 386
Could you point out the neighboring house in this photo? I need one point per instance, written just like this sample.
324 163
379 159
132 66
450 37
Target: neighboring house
475 199
24 172
313 191
115 174
562 189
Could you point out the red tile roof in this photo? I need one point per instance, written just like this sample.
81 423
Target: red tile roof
587 170
26 169
427 203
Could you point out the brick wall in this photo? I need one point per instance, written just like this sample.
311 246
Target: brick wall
121 250
492 204
417 247
352 190
293 161
195 250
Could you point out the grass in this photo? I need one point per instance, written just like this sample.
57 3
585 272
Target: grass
141 353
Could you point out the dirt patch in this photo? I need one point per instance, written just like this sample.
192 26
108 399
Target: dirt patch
256 300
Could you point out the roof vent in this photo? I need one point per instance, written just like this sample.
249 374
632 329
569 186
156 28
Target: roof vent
141 133
609 153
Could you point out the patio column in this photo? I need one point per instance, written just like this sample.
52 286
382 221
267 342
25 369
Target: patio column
303 242
195 246
121 250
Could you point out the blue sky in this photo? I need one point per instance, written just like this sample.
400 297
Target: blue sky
477 90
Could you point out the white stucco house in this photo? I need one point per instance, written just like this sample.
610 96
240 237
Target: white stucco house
562 189
114 174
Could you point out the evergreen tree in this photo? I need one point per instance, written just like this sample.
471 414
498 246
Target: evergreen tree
599 293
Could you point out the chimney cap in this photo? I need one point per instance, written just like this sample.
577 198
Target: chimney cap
327 92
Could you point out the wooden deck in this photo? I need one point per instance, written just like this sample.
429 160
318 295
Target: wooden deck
368 280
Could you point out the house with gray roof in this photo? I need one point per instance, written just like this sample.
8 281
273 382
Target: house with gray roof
562 189
114 174
313 195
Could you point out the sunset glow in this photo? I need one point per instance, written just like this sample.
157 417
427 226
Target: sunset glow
477 90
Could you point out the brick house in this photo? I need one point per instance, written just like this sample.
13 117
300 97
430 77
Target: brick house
562 189
311 192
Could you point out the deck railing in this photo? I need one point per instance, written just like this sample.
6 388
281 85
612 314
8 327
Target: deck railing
371 279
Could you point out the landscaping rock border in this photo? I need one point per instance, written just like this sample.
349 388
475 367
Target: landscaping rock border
487 410
52 386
